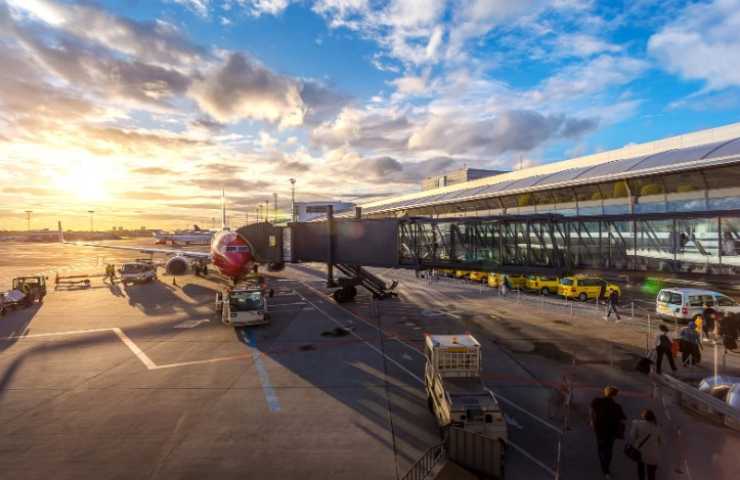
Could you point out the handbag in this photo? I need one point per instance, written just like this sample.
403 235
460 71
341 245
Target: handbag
633 453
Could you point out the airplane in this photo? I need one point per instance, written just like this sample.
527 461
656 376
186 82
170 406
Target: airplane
229 252
196 236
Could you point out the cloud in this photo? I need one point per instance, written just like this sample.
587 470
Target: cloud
156 42
591 77
99 70
242 88
154 171
702 44
514 130
583 45
267 7
198 6
216 184
369 129
150 195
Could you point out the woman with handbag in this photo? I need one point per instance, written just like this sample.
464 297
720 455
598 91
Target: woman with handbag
644 444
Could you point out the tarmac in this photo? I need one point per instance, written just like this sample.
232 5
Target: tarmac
145 382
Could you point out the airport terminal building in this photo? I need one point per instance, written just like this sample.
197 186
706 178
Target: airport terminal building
668 205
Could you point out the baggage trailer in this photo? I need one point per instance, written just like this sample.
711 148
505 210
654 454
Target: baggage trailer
455 391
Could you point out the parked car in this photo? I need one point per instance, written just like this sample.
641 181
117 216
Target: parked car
687 304
516 280
542 284
478 277
584 287
461 273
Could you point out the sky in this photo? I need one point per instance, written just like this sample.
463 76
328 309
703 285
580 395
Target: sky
143 110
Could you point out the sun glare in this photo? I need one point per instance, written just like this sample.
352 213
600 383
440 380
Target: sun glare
89 179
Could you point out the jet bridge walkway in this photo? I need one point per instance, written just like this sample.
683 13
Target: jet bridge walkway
706 243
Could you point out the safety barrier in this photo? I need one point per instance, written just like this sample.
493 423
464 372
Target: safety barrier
700 402
424 466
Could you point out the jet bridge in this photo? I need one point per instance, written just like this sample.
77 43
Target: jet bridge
705 243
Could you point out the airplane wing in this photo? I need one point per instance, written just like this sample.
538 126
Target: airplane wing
164 251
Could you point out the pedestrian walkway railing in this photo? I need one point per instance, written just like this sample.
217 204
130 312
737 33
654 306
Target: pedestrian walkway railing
700 402
424 466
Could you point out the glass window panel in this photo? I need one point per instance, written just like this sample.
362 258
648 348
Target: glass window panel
642 187
724 177
588 192
564 195
676 156
613 167
617 189
616 209
590 210
684 182
727 203
509 202
687 205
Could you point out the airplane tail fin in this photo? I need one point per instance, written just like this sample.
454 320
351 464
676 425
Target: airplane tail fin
61 232
224 226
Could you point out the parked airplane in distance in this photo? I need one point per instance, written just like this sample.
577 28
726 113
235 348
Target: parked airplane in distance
196 236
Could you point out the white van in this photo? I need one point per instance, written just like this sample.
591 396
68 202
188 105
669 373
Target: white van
687 304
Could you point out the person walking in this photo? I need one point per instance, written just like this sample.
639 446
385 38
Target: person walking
644 436
663 348
690 345
709 317
504 285
607 420
612 305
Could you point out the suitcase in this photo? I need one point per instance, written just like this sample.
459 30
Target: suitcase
643 365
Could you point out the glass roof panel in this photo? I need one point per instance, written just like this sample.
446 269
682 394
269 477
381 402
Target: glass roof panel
614 167
678 155
563 175
525 182
729 148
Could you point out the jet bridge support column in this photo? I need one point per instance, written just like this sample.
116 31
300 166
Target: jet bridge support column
330 243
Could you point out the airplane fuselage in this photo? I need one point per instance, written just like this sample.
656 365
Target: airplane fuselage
231 254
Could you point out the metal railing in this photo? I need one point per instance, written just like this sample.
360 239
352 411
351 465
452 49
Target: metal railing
701 402
424 466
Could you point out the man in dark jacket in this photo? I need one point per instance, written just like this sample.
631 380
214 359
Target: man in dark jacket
612 305
607 420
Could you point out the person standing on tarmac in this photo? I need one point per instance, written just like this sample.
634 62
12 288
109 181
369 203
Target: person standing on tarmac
663 348
690 345
607 420
612 305
645 437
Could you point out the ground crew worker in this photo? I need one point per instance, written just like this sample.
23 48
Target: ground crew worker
612 305
110 273
663 347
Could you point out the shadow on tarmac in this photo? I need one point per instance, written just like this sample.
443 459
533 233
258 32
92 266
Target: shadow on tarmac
16 322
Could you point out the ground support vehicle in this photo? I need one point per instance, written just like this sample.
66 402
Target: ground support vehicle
244 304
455 391
137 272
544 285
25 292
685 304
584 288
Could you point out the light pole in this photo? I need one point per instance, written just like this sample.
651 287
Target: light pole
292 199
92 225
28 219
258 208
267 211
274 207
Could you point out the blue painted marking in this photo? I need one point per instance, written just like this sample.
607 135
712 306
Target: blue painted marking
270 395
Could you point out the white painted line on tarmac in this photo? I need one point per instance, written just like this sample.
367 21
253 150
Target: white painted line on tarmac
270 395
148 363
531 458
530 414
370 345
191 323
135 349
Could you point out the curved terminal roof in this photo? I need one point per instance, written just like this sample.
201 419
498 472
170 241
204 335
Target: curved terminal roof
702 149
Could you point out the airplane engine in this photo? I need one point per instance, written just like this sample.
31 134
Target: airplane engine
178 266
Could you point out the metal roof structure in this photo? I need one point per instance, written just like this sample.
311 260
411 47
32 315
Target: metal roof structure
707 148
